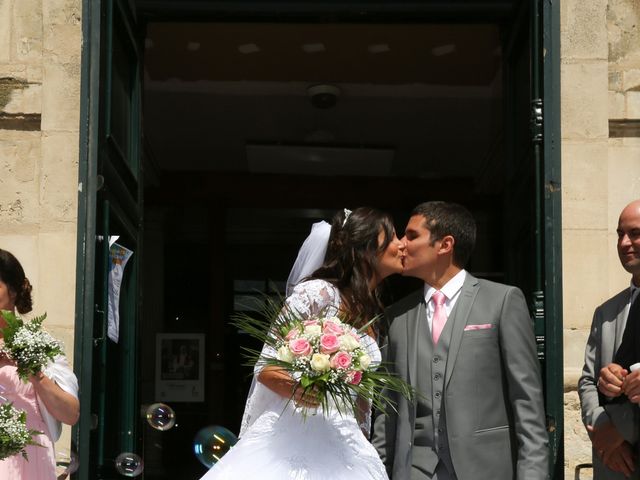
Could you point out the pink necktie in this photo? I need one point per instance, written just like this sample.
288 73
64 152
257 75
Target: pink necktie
439 315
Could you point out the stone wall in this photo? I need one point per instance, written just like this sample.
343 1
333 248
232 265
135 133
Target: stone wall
40 43
600 174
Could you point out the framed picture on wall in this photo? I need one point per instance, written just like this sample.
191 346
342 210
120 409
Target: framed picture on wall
180 367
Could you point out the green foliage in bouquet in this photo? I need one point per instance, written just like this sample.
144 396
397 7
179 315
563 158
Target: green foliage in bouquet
14 434
28 344
324 353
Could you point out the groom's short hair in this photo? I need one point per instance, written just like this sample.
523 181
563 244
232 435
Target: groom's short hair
445 218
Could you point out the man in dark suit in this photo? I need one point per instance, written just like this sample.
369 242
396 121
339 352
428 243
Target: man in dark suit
467 346
611 417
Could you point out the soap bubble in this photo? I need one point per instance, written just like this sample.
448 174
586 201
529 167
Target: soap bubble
129 464
211 443
160 416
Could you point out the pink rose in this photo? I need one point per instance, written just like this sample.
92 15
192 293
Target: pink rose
329 343
354 377
293 333
332 328
341 360
300 347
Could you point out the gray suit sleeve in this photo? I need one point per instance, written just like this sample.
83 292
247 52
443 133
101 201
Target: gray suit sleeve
522 372
592 412
623 415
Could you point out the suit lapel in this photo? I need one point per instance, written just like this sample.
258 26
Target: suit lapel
620 323
459 316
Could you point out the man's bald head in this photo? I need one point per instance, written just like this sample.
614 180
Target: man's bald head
629 239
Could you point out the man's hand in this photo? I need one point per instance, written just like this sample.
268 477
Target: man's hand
631 386
611 380
621 459
609 445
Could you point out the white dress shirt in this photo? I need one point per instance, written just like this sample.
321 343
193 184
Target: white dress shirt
451 291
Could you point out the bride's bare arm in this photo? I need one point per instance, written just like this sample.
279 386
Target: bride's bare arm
279 381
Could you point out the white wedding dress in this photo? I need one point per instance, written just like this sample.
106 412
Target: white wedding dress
277 443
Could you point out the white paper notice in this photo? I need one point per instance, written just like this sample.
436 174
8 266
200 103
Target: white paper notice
118 258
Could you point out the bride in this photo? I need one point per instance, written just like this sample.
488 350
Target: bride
276 442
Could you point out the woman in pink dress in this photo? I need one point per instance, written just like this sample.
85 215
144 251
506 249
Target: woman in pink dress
49 398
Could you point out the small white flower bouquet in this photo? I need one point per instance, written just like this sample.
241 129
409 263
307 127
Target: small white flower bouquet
326 355
14 434
28 344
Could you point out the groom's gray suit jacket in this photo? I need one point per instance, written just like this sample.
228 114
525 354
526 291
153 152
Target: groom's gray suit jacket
492 388
608 325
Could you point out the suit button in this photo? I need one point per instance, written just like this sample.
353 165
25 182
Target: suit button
437 376
437 394
440 430
436 359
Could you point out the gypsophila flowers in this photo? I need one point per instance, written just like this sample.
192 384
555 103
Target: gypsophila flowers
28 344
14 434
325 354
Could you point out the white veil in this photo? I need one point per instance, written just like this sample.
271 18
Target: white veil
310 258
311 254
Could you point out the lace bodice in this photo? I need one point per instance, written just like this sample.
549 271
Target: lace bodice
310 298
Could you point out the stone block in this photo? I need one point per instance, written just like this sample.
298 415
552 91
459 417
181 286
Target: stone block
623 178
62 44
62 12
574 340
56 292
5 31
27 30
585 263
631 79
26 99
583 27
617 105
633 105
19 155
584 185
623 17
585 100
61 97
615 81
59 177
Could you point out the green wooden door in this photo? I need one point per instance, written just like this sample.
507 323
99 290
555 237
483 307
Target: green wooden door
107 369
533 171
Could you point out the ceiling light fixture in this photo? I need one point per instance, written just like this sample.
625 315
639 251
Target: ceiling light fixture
313 47
248 48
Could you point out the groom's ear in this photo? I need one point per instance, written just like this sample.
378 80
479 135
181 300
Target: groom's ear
446 245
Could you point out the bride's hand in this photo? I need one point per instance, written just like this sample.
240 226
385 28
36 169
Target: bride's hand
308 399
6 361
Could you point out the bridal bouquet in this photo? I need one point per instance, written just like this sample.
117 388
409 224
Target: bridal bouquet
28 344
14 434
326 355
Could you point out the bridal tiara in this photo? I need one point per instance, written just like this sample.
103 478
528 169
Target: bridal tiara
347 212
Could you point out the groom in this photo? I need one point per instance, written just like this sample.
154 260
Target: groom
467 346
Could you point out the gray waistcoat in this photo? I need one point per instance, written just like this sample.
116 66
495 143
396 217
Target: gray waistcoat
430 443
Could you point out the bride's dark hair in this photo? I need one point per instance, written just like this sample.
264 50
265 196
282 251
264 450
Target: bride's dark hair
352 254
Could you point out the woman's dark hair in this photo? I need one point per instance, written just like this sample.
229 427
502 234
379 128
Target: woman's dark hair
352 254
12 275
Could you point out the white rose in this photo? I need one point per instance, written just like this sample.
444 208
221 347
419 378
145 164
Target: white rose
284 354
312 330
320 362
365 361
348 343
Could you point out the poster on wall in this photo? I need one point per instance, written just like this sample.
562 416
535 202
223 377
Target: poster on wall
180 367
118 258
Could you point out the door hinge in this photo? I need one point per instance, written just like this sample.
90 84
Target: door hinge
536 121
538 322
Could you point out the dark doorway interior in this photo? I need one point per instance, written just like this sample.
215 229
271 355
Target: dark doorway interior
241 159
